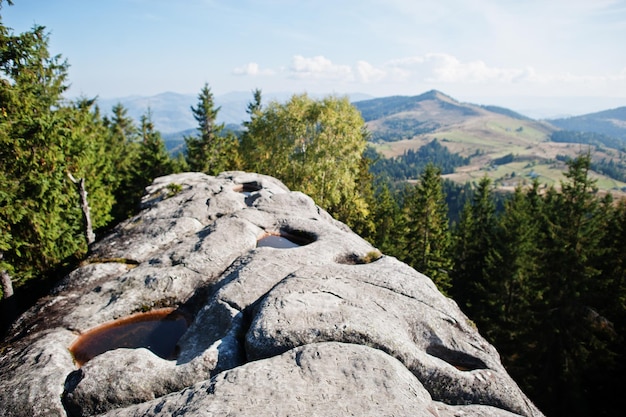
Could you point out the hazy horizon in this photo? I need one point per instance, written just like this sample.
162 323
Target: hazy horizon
561 57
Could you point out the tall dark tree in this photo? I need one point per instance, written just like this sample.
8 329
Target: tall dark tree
474 237
609 315
45 144
255 107
153 160
211 151
510 320
254 110
389 233
36 201
124 142
429 242
90 166
513 258
572 239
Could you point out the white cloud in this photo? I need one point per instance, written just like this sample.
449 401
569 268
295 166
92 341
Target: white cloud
446 68
319 67
252 69
367 73
440 71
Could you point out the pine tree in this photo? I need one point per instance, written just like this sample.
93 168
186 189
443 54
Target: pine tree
124 142
389 233
514 283
473 238
47 144
604 370
38 210
255 107
211 151
429 241
571 247
248 142
153 160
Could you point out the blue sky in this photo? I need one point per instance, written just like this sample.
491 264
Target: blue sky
506 52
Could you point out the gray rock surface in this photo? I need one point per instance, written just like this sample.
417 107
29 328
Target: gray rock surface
309 330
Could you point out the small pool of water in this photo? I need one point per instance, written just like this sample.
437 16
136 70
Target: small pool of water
157 330
279 242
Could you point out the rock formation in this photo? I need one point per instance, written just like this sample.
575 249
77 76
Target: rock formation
325 328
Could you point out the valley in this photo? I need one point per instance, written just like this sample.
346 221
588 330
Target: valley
509 148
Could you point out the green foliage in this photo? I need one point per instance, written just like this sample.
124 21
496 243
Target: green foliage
428 243
572 234
399 128
388 235
612 169
89 158
542 275
411 163
210 151
173 189
474 238
45 140
123 145
545 284
38 204
544 278
589 138
503 160
153 160
312 146
513 286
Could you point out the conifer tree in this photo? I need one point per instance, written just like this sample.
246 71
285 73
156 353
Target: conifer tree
514 283
429 241
124 141
153 160
604 371
45 144
389 233
89 157
254 110
474 237
38 214
211 151
572 239
255 107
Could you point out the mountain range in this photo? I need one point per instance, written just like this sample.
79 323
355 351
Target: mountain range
509 147
171 112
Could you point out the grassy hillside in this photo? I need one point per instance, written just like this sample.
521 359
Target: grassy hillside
486 134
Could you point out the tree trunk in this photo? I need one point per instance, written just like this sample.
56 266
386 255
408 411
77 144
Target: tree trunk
84 204
5 282
7 285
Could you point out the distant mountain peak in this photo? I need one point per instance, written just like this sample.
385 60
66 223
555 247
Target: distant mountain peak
432 105
437 95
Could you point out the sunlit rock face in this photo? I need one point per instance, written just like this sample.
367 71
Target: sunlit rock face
284 315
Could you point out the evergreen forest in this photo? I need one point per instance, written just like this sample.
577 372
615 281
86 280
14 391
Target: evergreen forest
541 272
